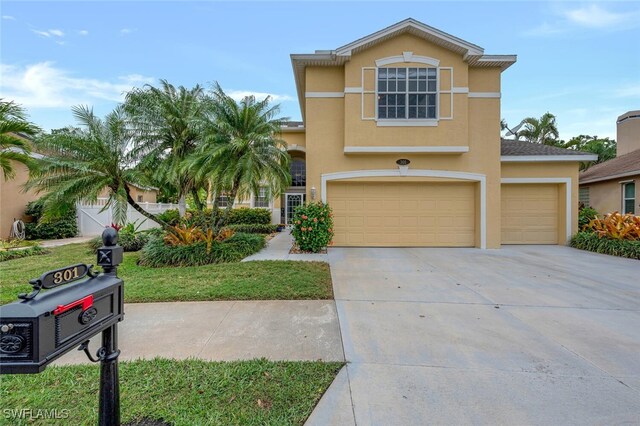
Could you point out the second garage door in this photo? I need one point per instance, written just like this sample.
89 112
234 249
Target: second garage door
529 214
403 214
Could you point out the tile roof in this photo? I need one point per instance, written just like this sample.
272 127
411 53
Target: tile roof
514 147
625 165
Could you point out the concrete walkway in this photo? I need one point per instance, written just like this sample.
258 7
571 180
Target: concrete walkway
278 249
303 330
524 335
64 241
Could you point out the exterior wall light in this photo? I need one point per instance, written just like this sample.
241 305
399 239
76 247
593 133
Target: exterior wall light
313 193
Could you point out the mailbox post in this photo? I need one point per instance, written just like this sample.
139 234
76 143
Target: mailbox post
78 305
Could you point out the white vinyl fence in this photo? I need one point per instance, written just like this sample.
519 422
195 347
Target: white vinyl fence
92 221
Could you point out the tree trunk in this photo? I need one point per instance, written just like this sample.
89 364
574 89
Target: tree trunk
196 199
182 205
143 212
225 214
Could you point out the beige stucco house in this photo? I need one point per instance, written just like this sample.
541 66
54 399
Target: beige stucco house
615 184
401 136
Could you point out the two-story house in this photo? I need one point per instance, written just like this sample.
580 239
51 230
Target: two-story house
401 136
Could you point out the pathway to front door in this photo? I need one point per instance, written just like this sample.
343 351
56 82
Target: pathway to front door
522 335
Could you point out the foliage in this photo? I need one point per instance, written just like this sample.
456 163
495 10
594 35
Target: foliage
604 148
543 130
13 147
10 244
313 226
80 163
253 229
181 393
241 151
593 242
616 226
585 214
170 217
245 216
52 228
166 123
200 251
263 280
20 253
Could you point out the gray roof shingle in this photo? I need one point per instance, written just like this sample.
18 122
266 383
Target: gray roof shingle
628 164
514 147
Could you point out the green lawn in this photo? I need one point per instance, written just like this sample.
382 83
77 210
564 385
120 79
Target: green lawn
264 280
191 392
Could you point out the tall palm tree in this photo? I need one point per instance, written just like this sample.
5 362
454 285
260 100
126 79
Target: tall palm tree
79 163
242 151
543 130
13 147
165 122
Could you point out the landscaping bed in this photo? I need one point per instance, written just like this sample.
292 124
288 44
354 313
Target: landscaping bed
190 392
260 280
590 241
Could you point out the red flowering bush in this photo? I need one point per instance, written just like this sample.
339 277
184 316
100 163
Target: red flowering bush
313 227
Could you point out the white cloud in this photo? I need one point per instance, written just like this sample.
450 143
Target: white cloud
241 94
126 31
591 16
48 34
8 17
594 16
83 32
42 85
628 91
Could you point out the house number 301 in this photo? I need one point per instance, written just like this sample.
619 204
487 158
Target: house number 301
65 275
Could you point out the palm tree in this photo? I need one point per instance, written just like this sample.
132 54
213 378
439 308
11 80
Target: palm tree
13 147
242 151
79 163
543 130
165 123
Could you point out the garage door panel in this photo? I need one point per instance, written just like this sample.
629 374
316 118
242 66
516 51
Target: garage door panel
530 214
403 213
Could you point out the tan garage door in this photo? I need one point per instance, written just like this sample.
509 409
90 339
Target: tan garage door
529 214
403 214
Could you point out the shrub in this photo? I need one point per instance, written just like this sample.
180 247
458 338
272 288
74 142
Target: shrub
17 254
616 226
585 215
157 254
247 216
313 226
592 242
129 242
51 229
253 229
171 216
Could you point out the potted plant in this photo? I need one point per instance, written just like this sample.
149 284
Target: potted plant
280 227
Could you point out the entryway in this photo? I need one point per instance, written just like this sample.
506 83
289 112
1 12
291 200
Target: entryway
291 202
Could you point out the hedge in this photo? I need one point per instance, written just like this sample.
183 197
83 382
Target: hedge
253 229
158 254
17 254
64 227
592 242
204 218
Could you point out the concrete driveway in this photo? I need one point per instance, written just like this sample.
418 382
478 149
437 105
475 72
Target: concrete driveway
523 335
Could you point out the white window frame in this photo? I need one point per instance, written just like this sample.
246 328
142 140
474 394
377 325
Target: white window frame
258 196
408 122
226 202
624 197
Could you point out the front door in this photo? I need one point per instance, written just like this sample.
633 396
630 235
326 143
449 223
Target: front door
291 202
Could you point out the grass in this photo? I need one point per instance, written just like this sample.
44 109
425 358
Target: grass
263 280
191 392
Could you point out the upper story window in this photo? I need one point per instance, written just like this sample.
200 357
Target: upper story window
298 172
407 93
222 200
261 199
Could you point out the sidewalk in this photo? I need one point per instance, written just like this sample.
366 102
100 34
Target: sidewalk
64 241
297 330
278 249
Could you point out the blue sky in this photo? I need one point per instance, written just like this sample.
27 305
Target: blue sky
580 61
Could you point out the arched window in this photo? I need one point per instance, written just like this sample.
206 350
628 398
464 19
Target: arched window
298 172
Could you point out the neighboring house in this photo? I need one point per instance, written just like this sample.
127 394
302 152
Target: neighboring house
13 198
615 184
140 194
401 136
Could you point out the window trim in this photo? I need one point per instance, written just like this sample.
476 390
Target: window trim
255 197
408 122
624 197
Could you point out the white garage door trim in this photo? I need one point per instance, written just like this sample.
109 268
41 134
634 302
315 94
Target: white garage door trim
475 177
565 181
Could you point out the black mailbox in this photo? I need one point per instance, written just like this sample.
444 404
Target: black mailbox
77 305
